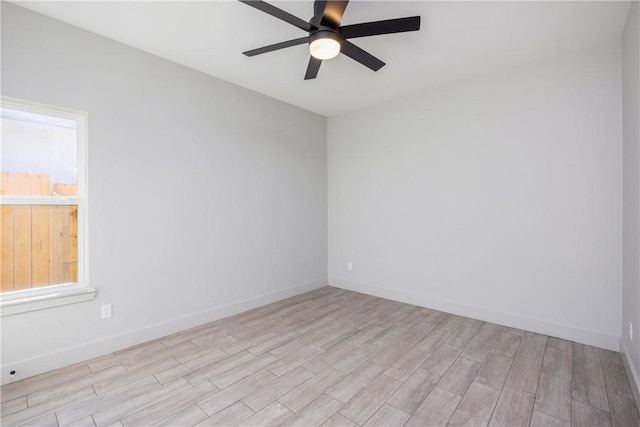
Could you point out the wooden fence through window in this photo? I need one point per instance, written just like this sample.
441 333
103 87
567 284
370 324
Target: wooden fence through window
39 243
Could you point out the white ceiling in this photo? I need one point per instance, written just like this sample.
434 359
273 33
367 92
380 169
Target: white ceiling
457 40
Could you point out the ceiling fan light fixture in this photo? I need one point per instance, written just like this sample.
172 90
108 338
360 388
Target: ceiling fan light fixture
324 45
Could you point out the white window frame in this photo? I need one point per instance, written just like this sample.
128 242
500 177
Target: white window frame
25 300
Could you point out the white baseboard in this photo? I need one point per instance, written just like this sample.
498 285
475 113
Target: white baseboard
597 339
86 351
632 373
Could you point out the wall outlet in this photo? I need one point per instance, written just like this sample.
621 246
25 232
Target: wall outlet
349 266
631 331
106 311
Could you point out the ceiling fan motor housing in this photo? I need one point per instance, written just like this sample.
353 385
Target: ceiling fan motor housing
324 33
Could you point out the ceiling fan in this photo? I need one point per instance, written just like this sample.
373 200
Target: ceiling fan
327 38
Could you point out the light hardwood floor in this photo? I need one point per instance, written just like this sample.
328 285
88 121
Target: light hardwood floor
335 358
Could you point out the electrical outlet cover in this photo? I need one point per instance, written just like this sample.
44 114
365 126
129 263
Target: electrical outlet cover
106 311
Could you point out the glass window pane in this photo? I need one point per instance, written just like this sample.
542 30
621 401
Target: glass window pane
40 153
39 246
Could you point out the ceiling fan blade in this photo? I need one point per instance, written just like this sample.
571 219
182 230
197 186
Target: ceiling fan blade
312 68
318 13
328 12
362 56
278 13
388 26
334 10
276 46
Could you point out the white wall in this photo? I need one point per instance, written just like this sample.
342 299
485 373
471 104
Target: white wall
631 196
205 198
497 198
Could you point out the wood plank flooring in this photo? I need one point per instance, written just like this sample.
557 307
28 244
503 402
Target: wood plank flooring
335 358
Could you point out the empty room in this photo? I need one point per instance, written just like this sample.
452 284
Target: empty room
320 213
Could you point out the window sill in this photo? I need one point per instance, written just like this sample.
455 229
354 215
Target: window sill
40 302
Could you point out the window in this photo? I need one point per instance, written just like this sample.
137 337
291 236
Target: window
43 207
